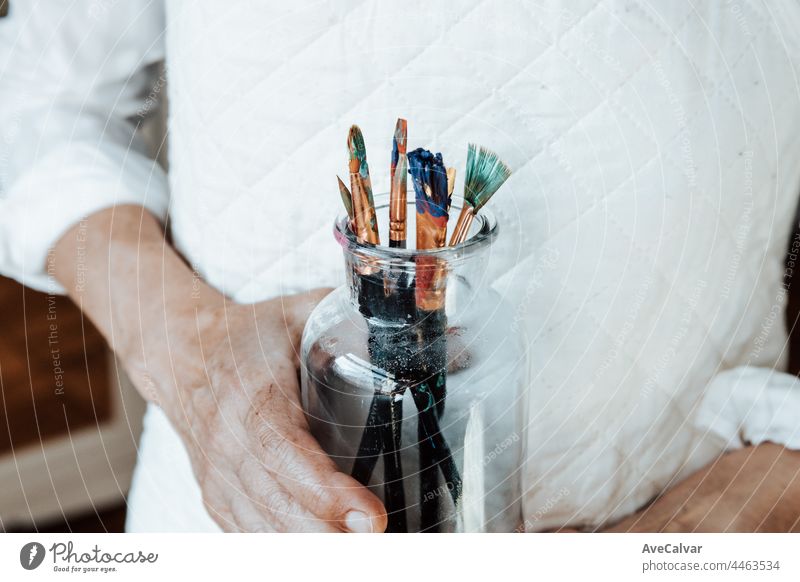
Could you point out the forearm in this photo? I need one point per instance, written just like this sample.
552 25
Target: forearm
749 490
118 267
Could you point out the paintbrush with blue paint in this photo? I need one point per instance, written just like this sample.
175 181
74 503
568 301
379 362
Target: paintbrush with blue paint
429 177
432 197
432 190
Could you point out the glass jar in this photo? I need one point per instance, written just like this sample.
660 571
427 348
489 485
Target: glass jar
413 381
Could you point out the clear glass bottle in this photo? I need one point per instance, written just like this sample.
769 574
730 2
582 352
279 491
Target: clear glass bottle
413 381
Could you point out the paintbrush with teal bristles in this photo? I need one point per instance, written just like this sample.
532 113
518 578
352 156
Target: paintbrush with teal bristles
484 176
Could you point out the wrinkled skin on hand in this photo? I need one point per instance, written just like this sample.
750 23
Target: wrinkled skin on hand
225 375
242 422
754 489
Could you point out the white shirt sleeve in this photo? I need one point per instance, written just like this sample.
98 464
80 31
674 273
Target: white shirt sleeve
76 80
750 405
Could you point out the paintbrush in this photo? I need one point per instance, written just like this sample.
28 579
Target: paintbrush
429 178
430 181
382 431
361 189
485 174
451 185
397 194
384 420
393 409
347 200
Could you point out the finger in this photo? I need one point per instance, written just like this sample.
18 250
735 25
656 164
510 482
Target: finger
296 309
241 495
270 507
250 519
319 485
219 509
295 459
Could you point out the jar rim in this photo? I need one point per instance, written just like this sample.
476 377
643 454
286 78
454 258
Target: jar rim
487 231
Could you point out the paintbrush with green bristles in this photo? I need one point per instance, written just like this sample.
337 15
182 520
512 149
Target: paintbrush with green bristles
484 176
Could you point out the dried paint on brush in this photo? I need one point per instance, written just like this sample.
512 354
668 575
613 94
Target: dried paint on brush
398 195
429 178
361 188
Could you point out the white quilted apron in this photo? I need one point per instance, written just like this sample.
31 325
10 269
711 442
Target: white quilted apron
643 230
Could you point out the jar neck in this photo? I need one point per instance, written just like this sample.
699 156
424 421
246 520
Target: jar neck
397 287
388 282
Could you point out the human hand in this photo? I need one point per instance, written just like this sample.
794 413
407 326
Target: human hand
755 489
242 422
225 374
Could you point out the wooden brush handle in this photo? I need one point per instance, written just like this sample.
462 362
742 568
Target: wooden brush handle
461 229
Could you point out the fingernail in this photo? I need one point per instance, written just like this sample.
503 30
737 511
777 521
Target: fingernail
358 522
